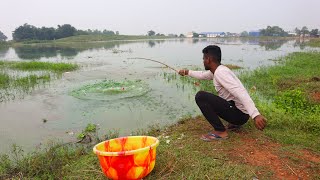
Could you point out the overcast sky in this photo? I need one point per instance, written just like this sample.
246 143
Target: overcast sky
162 16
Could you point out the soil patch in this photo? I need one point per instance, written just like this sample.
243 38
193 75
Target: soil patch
274 162
315 96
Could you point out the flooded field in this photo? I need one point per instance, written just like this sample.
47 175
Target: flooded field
142 94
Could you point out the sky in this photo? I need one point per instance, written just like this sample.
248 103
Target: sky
136 17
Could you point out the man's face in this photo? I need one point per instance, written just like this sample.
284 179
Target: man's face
206 62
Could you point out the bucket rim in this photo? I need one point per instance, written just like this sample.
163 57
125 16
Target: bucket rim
125 153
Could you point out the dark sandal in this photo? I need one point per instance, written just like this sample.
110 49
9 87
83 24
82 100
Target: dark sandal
212 137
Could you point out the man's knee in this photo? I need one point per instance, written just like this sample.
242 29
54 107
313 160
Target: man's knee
200 96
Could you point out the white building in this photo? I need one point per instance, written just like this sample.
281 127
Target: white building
189 35
214 34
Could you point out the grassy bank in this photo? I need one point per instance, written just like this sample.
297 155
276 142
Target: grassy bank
90 38
288 148
288 94
314 42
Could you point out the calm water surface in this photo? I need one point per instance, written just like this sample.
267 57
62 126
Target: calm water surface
22 119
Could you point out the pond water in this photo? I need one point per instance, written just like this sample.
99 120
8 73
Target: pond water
164 103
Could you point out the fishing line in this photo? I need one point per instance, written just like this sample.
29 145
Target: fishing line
156 62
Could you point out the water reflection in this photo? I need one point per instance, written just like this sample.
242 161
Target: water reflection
68 50
272 45
151 44
3 51
35 52
300 43
267 44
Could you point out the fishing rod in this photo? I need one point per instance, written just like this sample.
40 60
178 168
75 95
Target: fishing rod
156 62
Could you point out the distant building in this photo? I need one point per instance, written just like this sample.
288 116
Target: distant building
189 35
213 34
292 33
254 33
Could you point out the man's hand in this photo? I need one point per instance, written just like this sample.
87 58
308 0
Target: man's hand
184 72
260 122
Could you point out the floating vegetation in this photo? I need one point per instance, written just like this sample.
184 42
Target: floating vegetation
111 90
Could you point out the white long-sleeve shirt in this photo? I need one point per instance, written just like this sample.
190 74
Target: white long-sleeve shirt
229 87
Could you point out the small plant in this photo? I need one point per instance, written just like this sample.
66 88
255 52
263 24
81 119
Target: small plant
91 128
111 134
292 101
88 133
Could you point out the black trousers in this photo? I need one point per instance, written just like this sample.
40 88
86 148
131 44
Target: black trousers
213 107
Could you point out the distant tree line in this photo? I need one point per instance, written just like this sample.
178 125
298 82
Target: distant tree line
273 31
30 32
304 31
153 33
278 31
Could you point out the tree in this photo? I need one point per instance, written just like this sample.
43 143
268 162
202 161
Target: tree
151 33
304 31
273 31
314 32
181 36
298 31
45 33
65 30
3 37
25 32
195 34
117 32
107 32
82 32
244 34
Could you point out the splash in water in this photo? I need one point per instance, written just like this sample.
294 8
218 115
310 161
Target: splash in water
111 90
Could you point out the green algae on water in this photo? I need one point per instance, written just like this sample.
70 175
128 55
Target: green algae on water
111 90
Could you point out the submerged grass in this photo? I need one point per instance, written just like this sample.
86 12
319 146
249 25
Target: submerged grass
12 84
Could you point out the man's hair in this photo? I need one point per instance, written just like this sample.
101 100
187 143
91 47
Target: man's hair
213 51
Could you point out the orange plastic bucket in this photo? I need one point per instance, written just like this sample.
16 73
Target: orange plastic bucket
131 157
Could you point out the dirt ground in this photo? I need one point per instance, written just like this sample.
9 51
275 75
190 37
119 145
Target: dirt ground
282 163
253 148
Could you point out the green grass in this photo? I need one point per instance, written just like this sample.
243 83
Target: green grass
284 94
314 42
4 80
43 66
4 44
179 159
